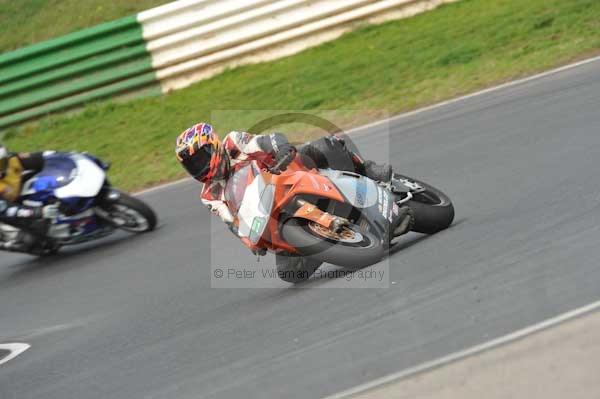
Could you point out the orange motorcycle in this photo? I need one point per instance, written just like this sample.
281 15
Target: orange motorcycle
327 215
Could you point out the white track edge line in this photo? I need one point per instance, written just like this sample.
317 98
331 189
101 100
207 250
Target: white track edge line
429 107
15 350
162 186
477 349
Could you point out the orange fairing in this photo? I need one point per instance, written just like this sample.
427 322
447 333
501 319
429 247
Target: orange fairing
294 181
298 180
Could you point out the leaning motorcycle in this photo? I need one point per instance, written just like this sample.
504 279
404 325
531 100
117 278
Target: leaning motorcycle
299 213
89 207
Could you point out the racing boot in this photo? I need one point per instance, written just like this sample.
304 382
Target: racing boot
33 247
404 222
378 172
13 246
23 242
27 241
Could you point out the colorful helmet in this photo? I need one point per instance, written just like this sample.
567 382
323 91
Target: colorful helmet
199 150
3 161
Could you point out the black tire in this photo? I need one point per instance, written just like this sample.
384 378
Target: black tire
433 210
50 250
352 256
137 205
295 269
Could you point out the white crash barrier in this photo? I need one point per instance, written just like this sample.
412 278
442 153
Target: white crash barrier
191 40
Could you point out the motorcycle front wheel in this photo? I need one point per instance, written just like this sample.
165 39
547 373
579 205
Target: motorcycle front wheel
132 214
354 248
295 269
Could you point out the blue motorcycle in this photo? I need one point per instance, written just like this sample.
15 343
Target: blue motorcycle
89 207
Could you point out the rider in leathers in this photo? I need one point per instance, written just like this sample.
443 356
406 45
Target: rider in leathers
30 220
201 153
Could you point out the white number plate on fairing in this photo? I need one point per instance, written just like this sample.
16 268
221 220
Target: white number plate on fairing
255 211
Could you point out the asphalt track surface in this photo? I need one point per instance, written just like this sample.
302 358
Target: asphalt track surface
135 317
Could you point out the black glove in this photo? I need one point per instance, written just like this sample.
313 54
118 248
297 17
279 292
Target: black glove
283 152
282 160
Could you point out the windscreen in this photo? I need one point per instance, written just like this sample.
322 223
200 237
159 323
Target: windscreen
58 172
236 187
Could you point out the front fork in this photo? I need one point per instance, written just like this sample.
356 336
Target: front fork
311 212
107 197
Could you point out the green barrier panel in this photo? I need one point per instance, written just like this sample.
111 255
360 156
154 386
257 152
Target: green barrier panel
75 84
74 69
38 49
139 82
63 56
62 73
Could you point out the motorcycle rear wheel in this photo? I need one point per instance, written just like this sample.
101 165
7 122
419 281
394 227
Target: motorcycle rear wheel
433 210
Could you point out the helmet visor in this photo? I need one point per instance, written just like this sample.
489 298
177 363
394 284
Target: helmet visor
198 164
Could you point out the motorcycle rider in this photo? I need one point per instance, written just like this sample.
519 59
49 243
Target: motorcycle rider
211 162
30 221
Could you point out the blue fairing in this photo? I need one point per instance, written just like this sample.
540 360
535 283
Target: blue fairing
60 170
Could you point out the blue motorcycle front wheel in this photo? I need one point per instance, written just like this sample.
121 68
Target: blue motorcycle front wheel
132 214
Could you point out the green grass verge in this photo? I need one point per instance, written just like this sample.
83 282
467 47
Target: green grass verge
24 22
395 67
